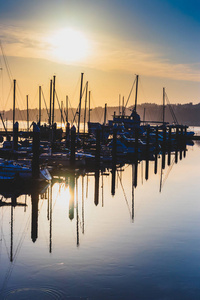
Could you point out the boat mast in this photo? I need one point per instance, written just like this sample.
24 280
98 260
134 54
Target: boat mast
119 103
39 117
27 113
105 113
66 109
50 102
79 112
136 92
14 95
86 92
89 107
61 113
163 106
144 115
123 109
54 81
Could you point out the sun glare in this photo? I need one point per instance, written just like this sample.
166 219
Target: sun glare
69 45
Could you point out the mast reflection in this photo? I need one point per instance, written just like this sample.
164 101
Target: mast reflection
83 195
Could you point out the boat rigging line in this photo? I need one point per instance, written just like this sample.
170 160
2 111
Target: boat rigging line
6 63
168 171
171 110
78 108
60 108
45 103
126 200
129 95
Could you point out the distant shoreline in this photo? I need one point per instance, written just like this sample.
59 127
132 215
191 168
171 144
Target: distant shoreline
188 114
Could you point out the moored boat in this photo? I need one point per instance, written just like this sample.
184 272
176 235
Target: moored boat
12 170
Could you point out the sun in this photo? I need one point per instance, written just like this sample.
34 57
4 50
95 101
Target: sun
69 45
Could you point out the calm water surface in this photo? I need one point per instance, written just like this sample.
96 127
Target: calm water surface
82 238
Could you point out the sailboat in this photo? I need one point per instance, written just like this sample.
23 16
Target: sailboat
123 121
14 171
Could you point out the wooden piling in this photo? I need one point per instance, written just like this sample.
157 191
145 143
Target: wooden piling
136 143
147 153
156 139
98 146
156 163
34 217
147 168
36 151
169 145
53 136
15 136
114 160
113 180
182 141
136 174
177 144
114 147
177 135
147 141
185 141
67 132
163 147
73 145
71 202
96 189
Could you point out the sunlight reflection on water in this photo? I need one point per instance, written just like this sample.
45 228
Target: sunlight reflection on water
77 241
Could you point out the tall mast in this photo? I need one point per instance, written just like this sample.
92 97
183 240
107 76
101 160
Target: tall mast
85 104
79 113
50 104
136 92
14 95
39 117
27 113
53 104
123 106
66 109
89 107
119 103
163 106
61 113
105 113
144 115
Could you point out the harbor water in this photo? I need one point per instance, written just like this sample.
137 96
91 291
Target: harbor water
87 236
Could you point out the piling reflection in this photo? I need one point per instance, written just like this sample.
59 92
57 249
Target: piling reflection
72 190
34 219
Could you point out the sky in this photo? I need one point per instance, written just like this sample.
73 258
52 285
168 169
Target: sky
109 41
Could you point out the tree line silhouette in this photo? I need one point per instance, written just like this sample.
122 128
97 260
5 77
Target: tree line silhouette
188 114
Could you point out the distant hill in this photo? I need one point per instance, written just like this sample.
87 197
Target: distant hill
188 114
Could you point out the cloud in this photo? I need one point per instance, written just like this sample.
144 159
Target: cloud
107 54
136 59
23 43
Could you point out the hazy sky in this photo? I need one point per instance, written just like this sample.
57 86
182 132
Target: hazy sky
110 41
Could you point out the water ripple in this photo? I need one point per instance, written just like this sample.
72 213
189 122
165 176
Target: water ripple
33 293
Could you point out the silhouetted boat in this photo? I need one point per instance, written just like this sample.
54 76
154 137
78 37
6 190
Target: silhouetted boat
11 170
